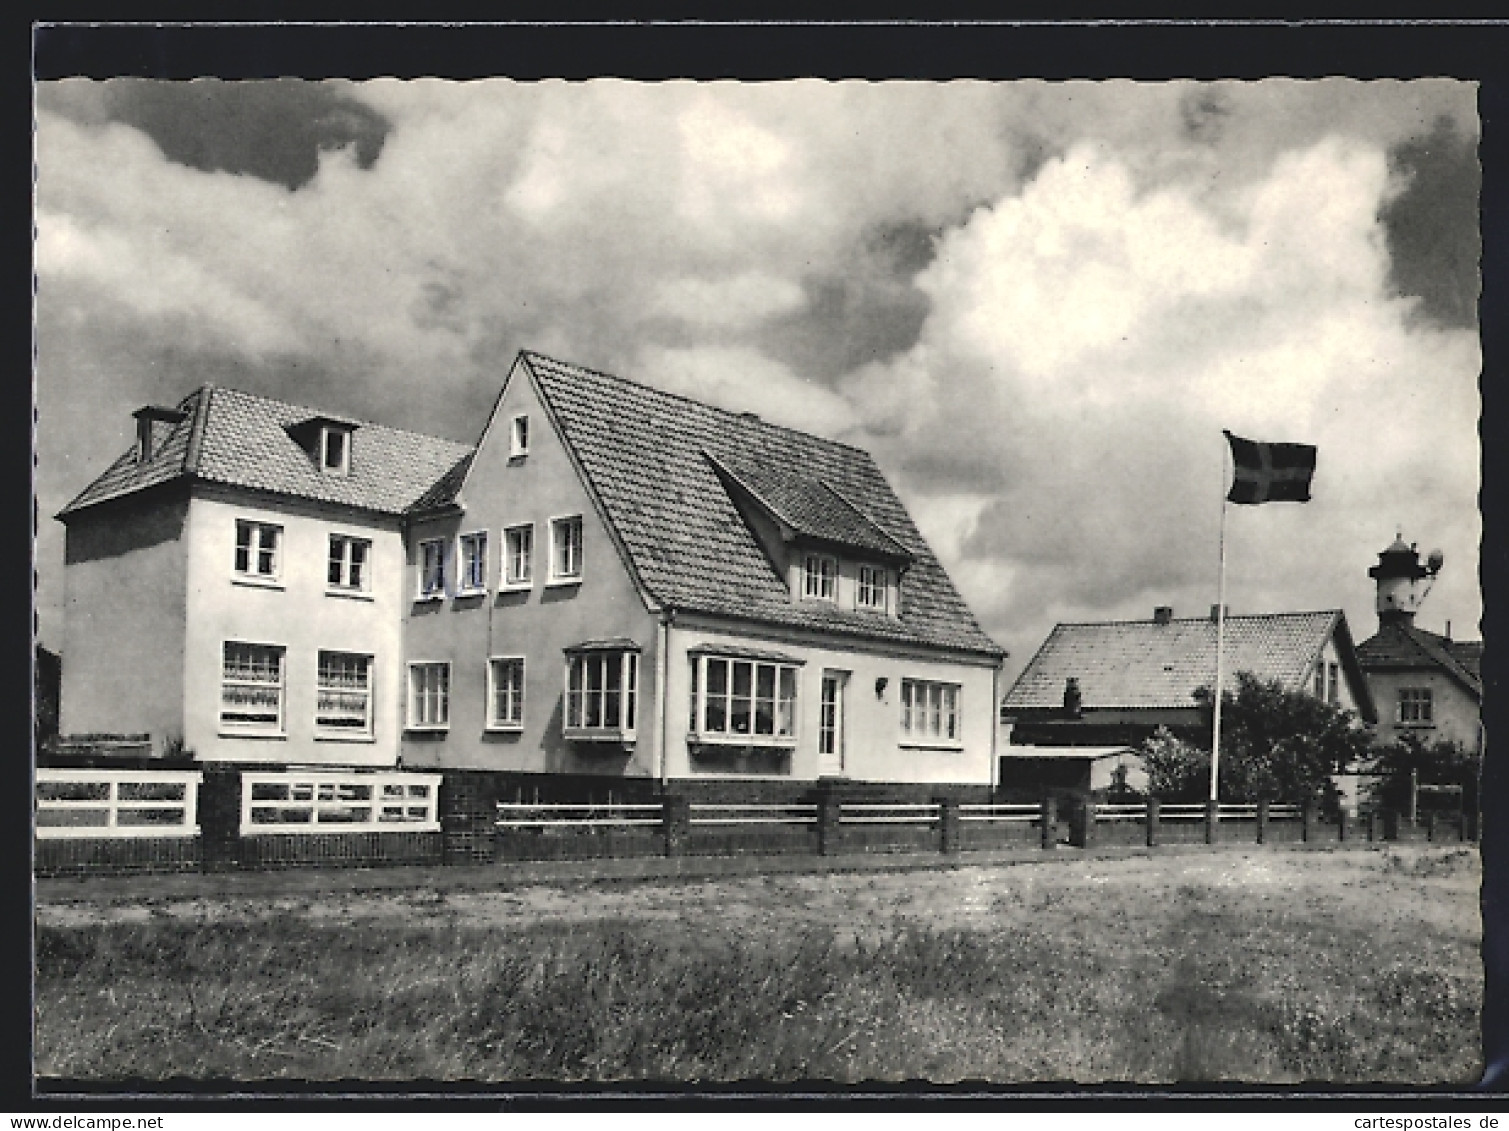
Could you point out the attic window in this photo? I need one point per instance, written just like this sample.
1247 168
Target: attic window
518 436
335 450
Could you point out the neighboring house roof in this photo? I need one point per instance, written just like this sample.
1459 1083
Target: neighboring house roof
644 453
242 440
1403 647
1094 753
1144 664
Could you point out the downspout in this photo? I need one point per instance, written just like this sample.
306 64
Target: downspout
662 668
995 726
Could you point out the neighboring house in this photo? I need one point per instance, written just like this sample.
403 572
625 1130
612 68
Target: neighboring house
623 581
614 581
235 580
1426 685
1109 683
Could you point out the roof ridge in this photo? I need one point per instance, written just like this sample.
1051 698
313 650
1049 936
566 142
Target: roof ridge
360 420
1194 620
685 398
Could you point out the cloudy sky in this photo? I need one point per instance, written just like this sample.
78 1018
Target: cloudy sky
1037 304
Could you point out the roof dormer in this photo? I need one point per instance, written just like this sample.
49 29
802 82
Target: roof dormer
326 440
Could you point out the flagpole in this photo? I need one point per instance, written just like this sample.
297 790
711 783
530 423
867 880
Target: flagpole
1215 730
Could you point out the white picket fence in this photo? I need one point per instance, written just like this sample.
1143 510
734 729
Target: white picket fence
74 804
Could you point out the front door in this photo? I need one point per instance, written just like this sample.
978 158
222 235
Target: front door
830 725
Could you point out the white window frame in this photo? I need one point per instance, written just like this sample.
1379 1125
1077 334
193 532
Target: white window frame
108 803
518 435
819 583
424 593
1333 684
574 711
465 587
1415 707
494 721
916 721
339 733
879 586
342 586
294 801
412 721
558 576
256 546
508 578
231 727
343 466
779 735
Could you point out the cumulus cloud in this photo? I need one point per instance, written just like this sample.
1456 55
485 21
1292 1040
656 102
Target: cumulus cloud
1037 303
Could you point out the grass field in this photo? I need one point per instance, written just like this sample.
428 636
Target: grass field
1237 965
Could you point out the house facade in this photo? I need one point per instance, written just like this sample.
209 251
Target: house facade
1118 682
1427 685
625 582
614 581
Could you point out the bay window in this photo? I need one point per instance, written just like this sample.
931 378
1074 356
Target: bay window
743 700
602 689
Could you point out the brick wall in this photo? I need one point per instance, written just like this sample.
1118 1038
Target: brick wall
117 856
339 850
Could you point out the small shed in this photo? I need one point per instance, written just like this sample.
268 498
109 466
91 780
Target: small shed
1030 772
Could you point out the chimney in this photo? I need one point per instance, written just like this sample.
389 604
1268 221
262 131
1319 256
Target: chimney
1448 630
1218 611
1072 698
1163 614
152 427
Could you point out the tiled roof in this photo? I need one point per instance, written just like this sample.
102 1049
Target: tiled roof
1146 664
812 508
1403 647
242 440
644 453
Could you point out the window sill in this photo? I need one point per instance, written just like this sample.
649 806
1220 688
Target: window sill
503 728
275 735
429 598
562 582
785 742
516 587
256 582
330 736
924 744
590 734
411 729
469 594
349 594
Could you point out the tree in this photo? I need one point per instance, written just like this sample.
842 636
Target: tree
1282 745
1276 745
1176 771
1437 763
